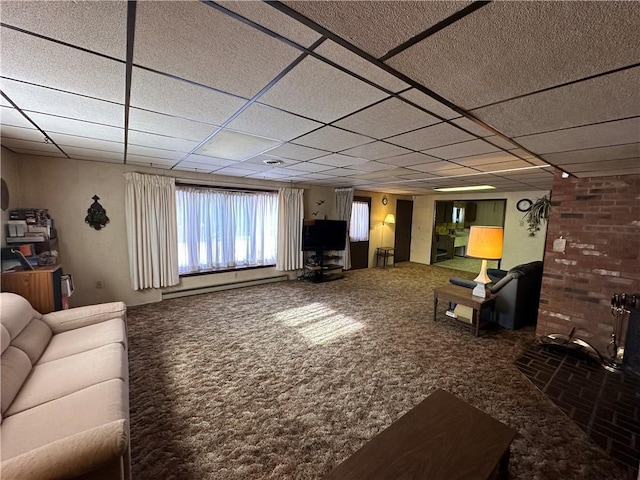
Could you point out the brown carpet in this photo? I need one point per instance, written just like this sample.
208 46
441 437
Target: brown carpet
284 381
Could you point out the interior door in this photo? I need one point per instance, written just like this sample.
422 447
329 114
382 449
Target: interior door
360 227
404 218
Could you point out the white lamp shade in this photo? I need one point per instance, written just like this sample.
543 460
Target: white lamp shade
485 243
389 218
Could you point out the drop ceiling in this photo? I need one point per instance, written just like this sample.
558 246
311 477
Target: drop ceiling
394 96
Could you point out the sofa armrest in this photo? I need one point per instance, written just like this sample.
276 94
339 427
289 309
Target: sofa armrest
71 456
64 320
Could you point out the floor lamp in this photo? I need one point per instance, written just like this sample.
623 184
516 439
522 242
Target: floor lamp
484 243
388 219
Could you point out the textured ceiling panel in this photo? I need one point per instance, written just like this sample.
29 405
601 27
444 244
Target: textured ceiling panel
414 158
210 161
502 166
274 20
579 138
465 149
500 142
371 167
79 153
11 116
600 99
616 152
486 159
472 127
375 150
165 95
337 160
431 137
154 162
24 57
606 172
297 152
387 118
270 122
49 123
376 27
21 133
41 145
85 142
309 167
320 91
358 65
425 101
235 145
161 141
332 139
44 100
153 153
97 26
161 124
199 43
507 49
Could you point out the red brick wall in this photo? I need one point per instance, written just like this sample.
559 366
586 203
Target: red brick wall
600 219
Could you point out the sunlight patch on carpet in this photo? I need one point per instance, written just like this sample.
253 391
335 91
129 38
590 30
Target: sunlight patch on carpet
318 324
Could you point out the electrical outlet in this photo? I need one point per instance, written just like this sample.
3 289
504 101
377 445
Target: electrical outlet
99 284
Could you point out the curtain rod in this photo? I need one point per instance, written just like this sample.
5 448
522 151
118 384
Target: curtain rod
181 183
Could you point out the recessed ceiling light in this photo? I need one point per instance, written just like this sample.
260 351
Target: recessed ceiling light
273 161
465 189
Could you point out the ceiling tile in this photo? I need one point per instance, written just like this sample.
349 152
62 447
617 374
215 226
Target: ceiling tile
23 58
431 137
472 127
97 26
358 65
85 142
599 135
143 161
500 142
501 52
607 172
414 158
234 171
491 167
263 14
161 141
604 165
32 98
78 153
387 118
210 161
153 153
297 152
41 145
319 91
162 124
371 167
193 167
11 116
37 152
433 167
375 150
340 172
270 122
337 160
20 133
376 27
199 43
50 123
161 94
332 139
464 149
631 150
425 101
593 101
487 159
236 146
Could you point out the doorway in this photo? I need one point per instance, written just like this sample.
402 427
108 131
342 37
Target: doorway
451 224
359 232
404 218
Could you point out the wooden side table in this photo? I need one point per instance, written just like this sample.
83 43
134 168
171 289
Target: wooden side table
463 296
385 253
442 438
41 287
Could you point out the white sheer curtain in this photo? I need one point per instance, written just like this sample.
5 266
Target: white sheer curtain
344 202
150 214
359 228
225 229
290 216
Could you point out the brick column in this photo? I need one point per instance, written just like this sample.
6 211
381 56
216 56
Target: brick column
600 219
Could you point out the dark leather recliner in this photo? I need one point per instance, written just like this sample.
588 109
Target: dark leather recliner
519 293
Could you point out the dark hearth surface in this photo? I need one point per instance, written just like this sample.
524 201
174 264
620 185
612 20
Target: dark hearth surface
605 405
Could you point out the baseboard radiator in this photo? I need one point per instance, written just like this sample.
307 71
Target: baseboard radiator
223 286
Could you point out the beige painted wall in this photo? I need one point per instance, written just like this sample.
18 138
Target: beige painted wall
65 187
518 246
9 172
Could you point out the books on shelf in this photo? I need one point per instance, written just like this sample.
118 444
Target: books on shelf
32 237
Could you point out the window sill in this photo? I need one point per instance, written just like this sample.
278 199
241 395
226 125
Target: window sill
224 270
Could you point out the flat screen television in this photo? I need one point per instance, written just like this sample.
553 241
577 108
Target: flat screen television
322 235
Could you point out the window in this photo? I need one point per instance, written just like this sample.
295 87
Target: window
359 228
220 229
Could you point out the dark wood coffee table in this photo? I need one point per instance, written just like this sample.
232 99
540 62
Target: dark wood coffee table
442 438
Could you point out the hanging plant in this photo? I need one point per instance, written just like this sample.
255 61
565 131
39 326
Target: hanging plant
537 215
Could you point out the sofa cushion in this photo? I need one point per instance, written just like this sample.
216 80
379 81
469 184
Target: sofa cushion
55 379
73 456
83 410
85 338
33 339
14 370
5 337
16 313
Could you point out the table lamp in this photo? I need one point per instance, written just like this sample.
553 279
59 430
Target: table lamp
484 243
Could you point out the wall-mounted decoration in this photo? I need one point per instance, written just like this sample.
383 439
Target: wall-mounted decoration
96 215
524 205
385 200
320 202
5 195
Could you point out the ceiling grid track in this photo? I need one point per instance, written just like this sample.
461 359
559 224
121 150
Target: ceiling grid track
131 34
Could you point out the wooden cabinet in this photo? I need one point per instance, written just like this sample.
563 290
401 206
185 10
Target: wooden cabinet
41 287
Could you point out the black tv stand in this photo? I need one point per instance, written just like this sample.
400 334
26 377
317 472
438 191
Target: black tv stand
324 269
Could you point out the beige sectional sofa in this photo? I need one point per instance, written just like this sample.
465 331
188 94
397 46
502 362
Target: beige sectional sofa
65 398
